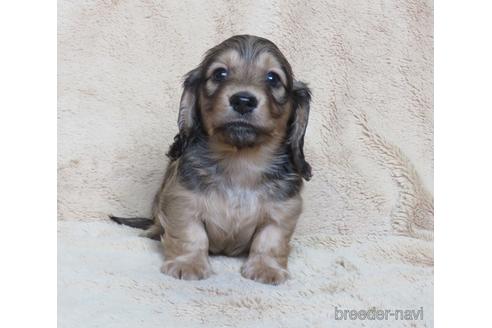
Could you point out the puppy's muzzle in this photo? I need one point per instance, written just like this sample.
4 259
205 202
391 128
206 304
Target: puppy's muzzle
243 102
240 134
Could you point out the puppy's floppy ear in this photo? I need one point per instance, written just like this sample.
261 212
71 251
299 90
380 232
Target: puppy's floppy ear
187 107
297 129
188 114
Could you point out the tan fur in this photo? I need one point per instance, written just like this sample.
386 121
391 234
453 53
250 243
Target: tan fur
235 218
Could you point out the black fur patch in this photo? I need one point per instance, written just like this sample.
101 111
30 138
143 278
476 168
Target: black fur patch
177 147
198 171
281 180
139 223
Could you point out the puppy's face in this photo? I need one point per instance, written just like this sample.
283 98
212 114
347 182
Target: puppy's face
245 96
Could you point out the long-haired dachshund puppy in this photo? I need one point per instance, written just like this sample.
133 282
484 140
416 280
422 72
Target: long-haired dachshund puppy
233 182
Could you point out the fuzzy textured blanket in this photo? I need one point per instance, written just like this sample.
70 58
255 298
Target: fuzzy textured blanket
110 277
365 238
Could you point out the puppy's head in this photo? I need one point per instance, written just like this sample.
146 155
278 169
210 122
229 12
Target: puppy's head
243 95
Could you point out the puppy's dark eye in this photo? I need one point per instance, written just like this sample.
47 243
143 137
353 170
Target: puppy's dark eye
273 79
220 74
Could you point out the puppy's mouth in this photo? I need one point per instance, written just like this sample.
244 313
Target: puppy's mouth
241 134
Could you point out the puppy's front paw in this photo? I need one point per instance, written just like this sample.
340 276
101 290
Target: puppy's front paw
187 270
264 270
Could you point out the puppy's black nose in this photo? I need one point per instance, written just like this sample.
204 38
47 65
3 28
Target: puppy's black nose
243 102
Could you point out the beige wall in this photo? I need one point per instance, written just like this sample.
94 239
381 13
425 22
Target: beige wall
369 64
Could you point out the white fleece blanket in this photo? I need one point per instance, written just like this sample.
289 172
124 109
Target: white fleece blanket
365 238
109 277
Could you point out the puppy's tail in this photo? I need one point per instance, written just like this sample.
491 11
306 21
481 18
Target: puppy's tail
139 223
153 229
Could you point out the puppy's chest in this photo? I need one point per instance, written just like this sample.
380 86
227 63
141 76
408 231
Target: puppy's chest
231 216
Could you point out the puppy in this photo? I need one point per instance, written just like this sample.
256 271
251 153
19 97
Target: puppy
233 182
